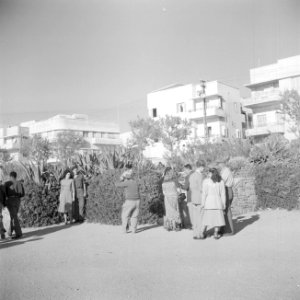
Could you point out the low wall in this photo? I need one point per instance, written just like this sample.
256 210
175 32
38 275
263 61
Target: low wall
245 198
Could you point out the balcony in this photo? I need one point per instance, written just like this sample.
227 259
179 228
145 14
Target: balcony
266 130
105 141
262 98
198 114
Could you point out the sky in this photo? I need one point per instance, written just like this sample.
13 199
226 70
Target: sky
102 57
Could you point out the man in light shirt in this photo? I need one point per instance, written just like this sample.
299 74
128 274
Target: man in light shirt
227 177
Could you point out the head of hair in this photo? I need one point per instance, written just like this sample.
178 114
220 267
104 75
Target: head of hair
65 174
200 163
188 166
215 176
13 174
169 174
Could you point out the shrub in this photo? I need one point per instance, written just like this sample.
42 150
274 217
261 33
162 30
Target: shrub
105 200
237 163
37 207
277 184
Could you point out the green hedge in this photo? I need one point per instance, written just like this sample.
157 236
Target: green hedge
105 200
38 208
277 184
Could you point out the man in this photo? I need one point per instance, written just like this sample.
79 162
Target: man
185 208
2 205
14 191
130 209
227 177
193 185
80 194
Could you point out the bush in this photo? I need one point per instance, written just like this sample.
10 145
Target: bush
37 207
105 200
277 184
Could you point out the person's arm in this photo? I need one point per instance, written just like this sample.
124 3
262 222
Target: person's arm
73 190
223 194
204 193
84 187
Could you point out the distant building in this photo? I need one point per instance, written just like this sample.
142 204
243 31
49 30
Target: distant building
96 133
267 83
224 115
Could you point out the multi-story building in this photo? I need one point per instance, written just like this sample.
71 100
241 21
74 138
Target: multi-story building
267 83
97 134
223 108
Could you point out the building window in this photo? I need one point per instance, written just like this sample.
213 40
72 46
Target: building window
180 107
209 131
154 112
262 120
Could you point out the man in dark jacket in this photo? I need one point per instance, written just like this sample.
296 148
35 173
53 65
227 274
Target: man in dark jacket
2 205
14 192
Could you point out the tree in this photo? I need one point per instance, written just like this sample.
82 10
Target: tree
36 149
173 130
169 130
291 107
67 144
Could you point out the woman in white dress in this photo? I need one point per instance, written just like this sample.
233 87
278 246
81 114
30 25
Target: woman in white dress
213 202
67 196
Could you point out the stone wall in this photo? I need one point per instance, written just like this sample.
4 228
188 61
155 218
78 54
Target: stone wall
245 198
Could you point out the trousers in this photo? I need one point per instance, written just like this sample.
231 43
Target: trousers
13 205
130 211
79 205
197 213
229 228
2 229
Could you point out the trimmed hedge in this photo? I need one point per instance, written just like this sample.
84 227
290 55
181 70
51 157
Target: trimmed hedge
277 184
38 208
105 200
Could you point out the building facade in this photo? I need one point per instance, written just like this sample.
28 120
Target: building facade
267 83
97 134
223 108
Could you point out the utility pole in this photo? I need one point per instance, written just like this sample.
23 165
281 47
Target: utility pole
202 93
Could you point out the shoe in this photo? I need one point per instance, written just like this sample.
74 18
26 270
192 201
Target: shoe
217 236
16 237
2 236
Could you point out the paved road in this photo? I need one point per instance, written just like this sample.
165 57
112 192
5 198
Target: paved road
90 261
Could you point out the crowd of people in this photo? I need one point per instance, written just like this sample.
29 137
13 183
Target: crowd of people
200 200
196 199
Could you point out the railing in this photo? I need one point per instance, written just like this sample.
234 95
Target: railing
262 97
199 113
277 127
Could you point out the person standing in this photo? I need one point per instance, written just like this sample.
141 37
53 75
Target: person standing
131 206
67 196
185 206
193 185
14 191
172 220
2 205
213 202
228 180
80 194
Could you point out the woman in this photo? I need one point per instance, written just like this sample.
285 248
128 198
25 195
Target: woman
213 202
67 196
172 219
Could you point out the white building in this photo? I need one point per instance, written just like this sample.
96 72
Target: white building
96 133
267 83
224 116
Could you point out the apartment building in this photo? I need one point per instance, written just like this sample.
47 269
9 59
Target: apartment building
96 133
267 83
223 108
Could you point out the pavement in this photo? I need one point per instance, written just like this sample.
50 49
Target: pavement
92 261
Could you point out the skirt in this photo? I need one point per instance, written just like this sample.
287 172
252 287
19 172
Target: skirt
213 218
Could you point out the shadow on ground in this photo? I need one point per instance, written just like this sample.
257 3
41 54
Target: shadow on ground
34 235
242 222
147 227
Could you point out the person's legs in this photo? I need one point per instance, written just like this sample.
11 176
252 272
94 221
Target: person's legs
190 213
65 218
217 232
13 211
229 225
134 216
81 206
197 217
126 213
2 230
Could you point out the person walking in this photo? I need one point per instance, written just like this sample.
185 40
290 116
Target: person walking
14 191
193 185
131 206
228 180
80 194
172 220
213 202
67 196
